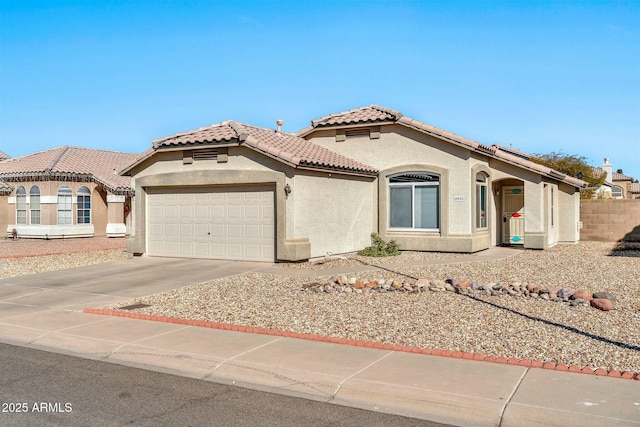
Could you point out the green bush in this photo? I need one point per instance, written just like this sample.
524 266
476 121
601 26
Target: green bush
380 247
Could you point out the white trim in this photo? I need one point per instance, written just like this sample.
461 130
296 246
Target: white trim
51 231
50 200
116 230
12 200
113 198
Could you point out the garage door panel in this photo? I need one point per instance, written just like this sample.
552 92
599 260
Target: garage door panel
223 223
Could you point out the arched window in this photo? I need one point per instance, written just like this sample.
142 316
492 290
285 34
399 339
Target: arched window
84 206
616 192
414 201
64 206
34 204
482 201
21 205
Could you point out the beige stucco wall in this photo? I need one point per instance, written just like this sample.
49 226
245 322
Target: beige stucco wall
336 213
242 166
569 214
48 226
4 212
402 149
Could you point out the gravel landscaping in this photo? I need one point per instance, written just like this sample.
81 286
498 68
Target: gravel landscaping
503 325
500 325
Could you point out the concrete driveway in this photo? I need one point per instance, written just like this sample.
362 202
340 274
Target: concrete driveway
112 282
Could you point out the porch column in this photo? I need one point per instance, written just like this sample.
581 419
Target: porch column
115 216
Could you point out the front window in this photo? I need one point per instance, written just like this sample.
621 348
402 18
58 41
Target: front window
84 206
64 206
481 200
21 205
414 201
34 204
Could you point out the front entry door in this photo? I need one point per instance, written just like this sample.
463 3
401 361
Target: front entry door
512 215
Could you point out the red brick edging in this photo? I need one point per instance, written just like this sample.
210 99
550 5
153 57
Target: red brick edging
372 344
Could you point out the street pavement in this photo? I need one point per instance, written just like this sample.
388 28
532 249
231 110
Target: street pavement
44 311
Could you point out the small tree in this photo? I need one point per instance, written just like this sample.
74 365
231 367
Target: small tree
575 166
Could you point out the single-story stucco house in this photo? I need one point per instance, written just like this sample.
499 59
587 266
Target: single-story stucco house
237 191
65 192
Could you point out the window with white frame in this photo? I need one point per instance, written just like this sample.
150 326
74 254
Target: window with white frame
616 192
34 204
21 205
414 201
64 206
84 206
482 200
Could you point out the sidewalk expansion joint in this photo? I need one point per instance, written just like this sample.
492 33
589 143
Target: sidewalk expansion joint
513 393
333 395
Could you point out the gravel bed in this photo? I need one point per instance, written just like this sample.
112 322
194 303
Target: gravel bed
12 267
495 326
10 248
355 260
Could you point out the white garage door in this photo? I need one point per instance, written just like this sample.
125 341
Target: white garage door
218 223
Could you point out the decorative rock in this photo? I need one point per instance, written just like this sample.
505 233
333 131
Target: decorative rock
397 284
435 289
342 280
440 284
449 287
604 295
358 285
352 281
407 287
475 286
564 293
581 294
602 304
577 301
497 287
371 284
421 283
380 282
545 296
533 288
464 284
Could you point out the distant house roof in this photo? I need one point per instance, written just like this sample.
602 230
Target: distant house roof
285 147
374 114
635 188
4 155
71 163
614 176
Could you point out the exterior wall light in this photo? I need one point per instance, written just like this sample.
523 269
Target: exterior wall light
287 189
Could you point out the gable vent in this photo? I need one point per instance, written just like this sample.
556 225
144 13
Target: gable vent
358 133
209 153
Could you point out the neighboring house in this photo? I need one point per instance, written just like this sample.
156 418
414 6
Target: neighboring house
616 185
3 156
236 191
65 192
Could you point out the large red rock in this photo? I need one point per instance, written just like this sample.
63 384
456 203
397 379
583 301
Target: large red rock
582 294
602 304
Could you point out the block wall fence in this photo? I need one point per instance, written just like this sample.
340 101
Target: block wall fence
610 220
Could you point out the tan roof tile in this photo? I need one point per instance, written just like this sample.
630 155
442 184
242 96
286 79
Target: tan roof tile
101 166
4 155
369 114
283 146
635 188
373 113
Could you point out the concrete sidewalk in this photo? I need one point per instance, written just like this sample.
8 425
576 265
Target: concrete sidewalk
44 311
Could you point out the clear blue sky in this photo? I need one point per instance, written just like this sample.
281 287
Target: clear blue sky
541 76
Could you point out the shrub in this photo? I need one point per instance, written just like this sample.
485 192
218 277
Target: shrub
380 247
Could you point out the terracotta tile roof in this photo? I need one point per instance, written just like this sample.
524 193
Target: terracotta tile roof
373 113
283 146
4 155
614 176
369 114
87 164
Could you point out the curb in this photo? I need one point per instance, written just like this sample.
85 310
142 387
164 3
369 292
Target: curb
538 364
